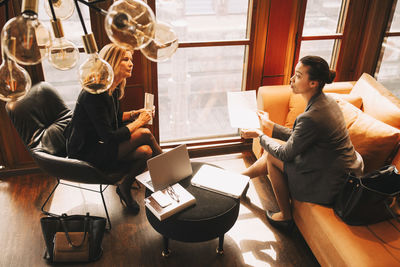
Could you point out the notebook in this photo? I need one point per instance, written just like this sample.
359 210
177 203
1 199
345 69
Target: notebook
221 181
174 203
166 169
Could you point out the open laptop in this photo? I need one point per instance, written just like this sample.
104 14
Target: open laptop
166 169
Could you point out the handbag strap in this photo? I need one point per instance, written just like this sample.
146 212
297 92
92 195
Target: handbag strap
391 211
86 221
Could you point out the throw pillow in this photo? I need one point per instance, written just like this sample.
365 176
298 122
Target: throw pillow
297 105
373 139
378 102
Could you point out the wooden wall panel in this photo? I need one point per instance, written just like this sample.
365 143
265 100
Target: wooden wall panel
14 151
14 155
133 99
277 37
273 80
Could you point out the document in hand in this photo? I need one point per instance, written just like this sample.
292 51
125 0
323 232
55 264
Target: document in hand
149 104
172 201
221 181
242 108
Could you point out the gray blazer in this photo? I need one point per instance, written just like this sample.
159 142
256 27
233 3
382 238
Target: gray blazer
318 153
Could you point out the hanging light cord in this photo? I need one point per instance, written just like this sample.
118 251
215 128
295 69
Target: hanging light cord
53 13
91 5
80 17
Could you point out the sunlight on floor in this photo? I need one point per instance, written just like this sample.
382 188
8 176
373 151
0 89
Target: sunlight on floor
259 239
71 199
251 260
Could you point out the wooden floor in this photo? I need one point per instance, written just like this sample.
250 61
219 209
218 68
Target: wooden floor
132 241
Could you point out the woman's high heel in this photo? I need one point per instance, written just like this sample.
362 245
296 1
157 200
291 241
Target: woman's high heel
131 204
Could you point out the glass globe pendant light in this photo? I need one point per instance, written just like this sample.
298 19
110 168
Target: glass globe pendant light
32 37
163 45
63 54
14 80
95 74
130 24
63 8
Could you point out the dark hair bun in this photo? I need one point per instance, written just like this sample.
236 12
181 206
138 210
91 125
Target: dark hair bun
331 76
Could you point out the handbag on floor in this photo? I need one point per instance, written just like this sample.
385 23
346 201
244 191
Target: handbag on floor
74 238
369 199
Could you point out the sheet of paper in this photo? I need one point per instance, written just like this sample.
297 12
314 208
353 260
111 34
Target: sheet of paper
149 104
242 108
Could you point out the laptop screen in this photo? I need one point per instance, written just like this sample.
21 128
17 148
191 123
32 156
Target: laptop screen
169 167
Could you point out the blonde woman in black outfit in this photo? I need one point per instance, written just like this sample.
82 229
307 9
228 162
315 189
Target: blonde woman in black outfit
106 137
314 162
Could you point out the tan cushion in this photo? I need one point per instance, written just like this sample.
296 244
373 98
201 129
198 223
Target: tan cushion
297 105
378 102
373 139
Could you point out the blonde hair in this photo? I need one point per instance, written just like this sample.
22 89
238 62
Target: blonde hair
114 54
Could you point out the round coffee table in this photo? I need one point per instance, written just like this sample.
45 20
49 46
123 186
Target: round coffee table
212 216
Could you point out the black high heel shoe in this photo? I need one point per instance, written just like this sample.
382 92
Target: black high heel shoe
284 225
130 204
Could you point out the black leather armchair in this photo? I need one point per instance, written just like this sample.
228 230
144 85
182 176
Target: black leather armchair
40 119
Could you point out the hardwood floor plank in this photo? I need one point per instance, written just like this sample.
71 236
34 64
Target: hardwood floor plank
132 241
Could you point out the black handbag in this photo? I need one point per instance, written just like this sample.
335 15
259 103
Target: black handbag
369 199
74 238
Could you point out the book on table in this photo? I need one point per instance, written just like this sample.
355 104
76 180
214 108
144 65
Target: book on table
169 201
220 181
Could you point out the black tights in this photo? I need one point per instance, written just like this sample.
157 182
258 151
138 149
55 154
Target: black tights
141 146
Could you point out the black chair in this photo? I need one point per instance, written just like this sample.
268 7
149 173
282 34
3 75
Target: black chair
40 119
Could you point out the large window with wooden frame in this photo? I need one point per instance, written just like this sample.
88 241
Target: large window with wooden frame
210 61
388 67
322 29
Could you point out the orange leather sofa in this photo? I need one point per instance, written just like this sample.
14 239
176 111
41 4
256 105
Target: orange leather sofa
333 242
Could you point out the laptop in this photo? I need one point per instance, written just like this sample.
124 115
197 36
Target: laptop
221 181
167 169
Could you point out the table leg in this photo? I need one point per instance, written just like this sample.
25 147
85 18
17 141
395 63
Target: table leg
220 248
166 251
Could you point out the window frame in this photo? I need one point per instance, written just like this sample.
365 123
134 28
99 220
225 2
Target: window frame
388 33
338 37
212 146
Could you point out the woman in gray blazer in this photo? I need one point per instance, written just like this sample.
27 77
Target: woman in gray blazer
313 163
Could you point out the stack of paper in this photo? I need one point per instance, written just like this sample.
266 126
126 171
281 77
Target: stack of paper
165 203
221 181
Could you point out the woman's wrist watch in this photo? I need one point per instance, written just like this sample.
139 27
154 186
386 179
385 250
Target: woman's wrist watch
132 114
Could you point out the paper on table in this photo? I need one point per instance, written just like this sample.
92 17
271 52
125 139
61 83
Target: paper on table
242 108
149 104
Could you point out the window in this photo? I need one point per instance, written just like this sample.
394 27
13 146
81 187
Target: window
388 67
209 62
323 29
66 82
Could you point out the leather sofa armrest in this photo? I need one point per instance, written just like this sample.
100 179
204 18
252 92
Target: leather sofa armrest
274 100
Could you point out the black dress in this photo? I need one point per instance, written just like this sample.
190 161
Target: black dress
96 129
